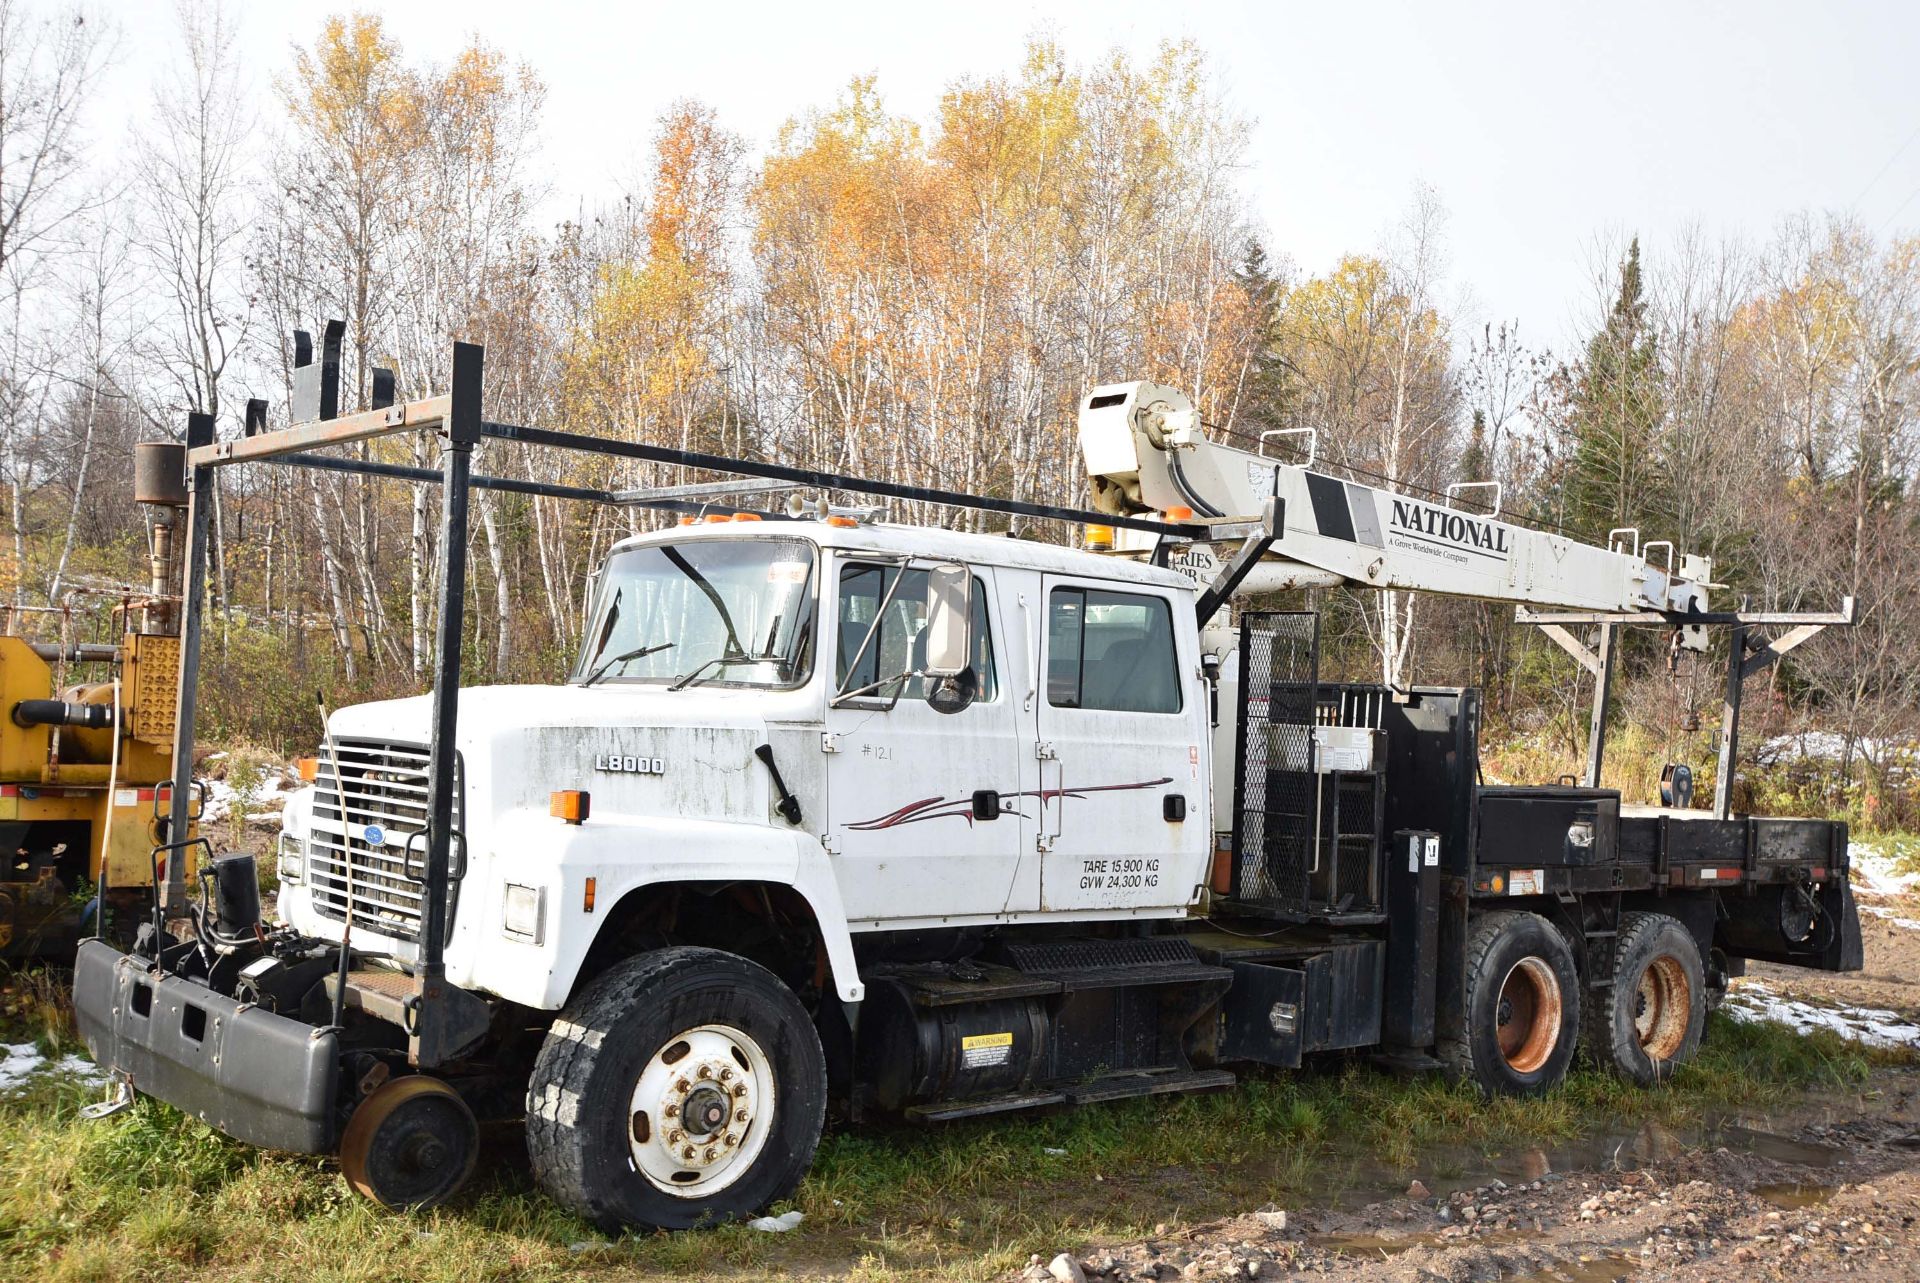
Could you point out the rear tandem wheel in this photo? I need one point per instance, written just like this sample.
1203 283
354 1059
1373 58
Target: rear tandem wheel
1650 1022
1521 1008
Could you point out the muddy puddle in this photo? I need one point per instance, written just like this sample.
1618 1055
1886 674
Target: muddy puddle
1599 1268
1794 1195
1350 1181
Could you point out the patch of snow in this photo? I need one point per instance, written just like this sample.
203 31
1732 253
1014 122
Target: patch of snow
1805 744
1876 872
1890 916
268 795
24 1062
1756 1000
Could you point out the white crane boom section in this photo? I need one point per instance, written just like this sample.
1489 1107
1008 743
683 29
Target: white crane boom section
1145 453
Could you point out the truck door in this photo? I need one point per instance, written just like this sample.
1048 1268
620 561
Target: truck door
1122 750
905 831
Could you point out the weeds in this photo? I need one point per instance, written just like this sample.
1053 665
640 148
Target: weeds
36 1007
150 1194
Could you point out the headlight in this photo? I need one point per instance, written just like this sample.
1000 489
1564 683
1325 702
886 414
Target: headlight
293 856
522 912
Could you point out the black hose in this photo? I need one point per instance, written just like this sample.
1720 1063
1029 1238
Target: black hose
59 712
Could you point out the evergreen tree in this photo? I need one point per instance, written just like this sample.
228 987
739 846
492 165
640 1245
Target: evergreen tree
1476 463
1615 475
1264 398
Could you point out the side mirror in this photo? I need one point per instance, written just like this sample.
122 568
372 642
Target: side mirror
949 620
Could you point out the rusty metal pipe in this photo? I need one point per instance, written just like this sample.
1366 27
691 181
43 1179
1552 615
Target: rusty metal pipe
80 653
160 577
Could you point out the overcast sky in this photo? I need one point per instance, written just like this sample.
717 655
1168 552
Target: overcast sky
1543 126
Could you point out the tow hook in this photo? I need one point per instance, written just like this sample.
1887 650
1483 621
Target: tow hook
120 1096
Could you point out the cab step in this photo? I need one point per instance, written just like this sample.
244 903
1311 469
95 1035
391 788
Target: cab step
1169 1083
1113 1087
1113 964
948 1111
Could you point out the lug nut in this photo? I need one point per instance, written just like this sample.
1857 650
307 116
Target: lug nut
711 1153
688 1153
706 1071
674 1136
739 1115
731 1140
683 1086
726 1075
739 1089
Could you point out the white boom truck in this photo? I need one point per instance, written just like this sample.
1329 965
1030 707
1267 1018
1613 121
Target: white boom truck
934 825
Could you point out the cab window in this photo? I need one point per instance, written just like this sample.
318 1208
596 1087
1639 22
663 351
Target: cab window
898 646
1111 650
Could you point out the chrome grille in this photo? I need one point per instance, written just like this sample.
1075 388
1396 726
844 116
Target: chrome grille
385 786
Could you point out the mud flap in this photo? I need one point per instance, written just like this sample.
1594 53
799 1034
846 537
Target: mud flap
1845 951
259 1077
1750 928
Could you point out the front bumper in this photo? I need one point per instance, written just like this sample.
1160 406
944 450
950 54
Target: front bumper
259 1077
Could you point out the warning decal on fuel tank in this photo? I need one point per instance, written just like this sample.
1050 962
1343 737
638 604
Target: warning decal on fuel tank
983 1051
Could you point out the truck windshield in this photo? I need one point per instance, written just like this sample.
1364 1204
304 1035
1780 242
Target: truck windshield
729 612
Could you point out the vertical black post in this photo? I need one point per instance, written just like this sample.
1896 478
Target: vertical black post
1730 722
462 431
1602 693
193 592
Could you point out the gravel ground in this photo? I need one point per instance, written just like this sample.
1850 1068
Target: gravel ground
1705 1215
1836 1196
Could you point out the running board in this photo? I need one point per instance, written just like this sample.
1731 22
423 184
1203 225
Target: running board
953 1110
1125 1086
1115 1087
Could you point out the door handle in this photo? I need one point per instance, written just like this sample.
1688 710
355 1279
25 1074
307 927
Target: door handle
1046 837
986 804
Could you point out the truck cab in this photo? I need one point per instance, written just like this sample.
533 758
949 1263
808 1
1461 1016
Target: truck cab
751 703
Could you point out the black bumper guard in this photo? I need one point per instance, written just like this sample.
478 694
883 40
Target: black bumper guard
259 1077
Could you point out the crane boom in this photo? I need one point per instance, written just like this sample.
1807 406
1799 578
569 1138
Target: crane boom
1145 452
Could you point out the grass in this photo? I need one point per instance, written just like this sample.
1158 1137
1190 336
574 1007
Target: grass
150 1194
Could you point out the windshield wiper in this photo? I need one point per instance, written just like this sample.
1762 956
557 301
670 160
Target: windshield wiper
712 594
687 679
638 652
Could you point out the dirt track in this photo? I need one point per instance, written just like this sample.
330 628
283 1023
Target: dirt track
1831 1192
1704 1215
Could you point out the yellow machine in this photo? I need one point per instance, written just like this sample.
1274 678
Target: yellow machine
82 781
59 782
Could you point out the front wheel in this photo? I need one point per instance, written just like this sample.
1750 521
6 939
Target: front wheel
1522 1007
683 1087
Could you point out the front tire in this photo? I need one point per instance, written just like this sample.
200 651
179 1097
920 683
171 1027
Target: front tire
683 1087
1650 1022
1522 1007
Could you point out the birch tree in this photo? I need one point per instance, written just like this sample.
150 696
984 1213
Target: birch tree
49 67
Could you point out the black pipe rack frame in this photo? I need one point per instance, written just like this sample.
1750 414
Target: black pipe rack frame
456 417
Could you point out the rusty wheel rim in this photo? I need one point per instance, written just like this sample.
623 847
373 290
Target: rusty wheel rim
410 1144
1662 1008
1527 1015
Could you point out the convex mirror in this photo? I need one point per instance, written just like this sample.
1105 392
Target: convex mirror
949 620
